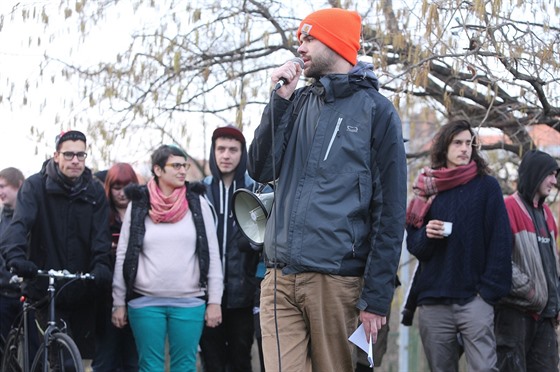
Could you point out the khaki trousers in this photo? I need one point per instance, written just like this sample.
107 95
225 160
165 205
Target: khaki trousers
315 314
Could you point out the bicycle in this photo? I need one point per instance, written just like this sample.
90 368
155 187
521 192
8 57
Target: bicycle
57 352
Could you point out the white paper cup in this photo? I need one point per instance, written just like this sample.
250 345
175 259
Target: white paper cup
447 228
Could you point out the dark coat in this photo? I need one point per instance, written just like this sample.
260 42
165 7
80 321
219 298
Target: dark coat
6 289
240 260
59 230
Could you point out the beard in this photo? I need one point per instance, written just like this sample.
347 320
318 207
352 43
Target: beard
321 65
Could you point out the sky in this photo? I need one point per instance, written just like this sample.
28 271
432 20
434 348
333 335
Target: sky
20 62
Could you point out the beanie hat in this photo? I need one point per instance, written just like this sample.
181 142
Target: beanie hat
229 131
339 29
71 135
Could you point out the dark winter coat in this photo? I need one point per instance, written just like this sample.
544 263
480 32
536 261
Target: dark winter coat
6 288
60 229
239 260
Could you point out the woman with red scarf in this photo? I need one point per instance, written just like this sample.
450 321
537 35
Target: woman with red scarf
168 278
462 274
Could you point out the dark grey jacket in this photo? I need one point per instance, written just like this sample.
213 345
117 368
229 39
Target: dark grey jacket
341 192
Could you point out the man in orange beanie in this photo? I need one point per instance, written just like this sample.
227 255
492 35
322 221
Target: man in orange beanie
333 239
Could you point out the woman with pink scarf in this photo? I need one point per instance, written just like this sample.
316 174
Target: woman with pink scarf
168 279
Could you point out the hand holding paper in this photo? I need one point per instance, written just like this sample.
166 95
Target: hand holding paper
359 339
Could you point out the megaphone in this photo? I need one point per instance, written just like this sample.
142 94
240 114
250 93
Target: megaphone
251 212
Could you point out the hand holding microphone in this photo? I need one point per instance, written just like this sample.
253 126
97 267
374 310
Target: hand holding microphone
287 73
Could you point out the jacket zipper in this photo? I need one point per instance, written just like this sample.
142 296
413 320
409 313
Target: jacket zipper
336 130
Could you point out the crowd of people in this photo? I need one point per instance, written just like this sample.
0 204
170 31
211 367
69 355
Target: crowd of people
173 270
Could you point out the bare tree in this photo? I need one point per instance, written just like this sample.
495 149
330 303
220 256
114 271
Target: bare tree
494 62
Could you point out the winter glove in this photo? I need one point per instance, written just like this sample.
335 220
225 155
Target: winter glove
24 268
407 317
102 276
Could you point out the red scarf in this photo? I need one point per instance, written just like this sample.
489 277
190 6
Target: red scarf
170 208
429 183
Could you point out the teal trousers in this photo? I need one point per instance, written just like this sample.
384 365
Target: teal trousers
182 326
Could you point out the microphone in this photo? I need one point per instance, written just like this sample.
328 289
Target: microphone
282 81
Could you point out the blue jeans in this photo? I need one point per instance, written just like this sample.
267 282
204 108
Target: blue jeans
181 325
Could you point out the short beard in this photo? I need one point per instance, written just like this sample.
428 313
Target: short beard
321 65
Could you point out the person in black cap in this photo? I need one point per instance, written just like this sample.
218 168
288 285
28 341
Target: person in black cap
60 222
526 320
228 346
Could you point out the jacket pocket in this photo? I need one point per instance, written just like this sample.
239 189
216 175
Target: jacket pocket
333 137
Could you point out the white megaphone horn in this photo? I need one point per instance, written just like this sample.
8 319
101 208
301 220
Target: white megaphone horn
251 212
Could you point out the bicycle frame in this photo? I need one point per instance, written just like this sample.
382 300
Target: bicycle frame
52 329
51 322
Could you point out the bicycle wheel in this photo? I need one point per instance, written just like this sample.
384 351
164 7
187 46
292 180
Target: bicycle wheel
12 357
63 355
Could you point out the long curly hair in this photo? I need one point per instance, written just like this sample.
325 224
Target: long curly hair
443 139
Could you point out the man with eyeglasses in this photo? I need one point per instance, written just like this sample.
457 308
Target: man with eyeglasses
60 222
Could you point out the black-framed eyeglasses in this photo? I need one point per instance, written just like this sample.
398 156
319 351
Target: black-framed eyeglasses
178 166
69 155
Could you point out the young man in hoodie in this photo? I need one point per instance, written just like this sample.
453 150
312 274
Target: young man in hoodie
527 318
227 347
333 239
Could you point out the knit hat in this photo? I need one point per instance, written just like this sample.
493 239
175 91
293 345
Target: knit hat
339 29
71 135
229 131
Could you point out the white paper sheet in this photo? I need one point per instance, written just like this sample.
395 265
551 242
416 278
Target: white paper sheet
359 339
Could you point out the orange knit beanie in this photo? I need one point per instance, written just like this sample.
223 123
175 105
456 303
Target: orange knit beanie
339 29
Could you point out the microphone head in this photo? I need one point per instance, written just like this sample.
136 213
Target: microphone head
298 61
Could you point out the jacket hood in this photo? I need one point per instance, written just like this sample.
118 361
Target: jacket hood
364 71
239 171
534 168
344 85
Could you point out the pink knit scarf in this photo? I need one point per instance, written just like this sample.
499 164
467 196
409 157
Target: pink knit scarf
429 183
170 208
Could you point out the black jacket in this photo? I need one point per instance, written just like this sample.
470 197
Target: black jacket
239 260
60 229
6 289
